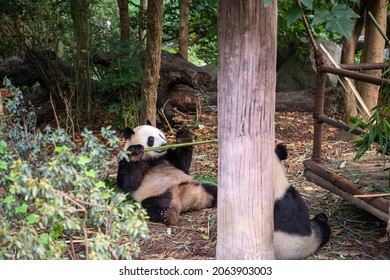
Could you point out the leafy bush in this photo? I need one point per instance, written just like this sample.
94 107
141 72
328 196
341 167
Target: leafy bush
54 199
376 131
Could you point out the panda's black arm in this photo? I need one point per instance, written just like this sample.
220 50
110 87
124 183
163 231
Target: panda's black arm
180 158
130 174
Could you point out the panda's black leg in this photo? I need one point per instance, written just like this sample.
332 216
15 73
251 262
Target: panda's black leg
158 208
211 189
321 222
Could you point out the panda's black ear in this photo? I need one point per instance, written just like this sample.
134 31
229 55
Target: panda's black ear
148 122
127 132
281 152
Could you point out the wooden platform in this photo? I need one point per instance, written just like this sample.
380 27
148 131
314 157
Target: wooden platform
363 177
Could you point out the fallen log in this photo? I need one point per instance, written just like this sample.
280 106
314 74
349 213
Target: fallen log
175 70
295 101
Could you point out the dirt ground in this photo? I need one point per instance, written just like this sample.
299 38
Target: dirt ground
355 233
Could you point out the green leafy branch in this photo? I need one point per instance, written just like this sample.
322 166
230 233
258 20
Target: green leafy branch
338 17
377 131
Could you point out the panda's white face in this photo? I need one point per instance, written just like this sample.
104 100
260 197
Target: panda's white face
148 136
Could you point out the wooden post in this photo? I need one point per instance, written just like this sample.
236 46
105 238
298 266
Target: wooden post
318 107
246 135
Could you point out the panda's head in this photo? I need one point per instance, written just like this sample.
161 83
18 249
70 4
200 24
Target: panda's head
281 183
148 136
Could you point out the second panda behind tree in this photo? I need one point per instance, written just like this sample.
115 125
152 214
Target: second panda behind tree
160 179
296 236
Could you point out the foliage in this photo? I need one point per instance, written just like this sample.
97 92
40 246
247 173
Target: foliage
206 178
31 25
123 79
45 26
202 29
336 15
376 131
54 196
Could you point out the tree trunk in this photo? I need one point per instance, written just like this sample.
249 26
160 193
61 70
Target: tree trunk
246 111
373 50
124 20
348 57
143 6
150 75
81 12
183 32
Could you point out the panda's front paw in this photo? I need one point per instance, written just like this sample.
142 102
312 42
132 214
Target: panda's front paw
137 151
183 136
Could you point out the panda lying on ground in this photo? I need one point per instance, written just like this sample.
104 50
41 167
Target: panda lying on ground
160 181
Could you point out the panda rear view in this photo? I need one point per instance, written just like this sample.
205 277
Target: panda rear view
296 236
160 179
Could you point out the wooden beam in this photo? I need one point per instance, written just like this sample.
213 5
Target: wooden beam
355 75
345 185
364 66
340 125
313 177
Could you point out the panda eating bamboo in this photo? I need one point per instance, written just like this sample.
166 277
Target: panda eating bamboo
160 179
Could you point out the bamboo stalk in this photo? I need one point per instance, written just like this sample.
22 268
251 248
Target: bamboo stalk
179 145
379 28
372 195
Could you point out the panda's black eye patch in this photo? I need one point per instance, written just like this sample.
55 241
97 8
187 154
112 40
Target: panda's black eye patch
150 141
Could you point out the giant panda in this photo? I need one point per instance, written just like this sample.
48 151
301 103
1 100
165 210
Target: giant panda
296 236
160 179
